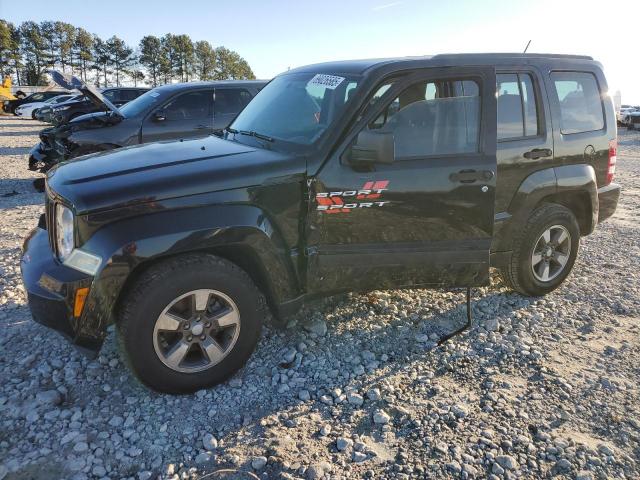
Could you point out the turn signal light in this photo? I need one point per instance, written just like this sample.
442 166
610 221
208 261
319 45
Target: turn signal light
81 297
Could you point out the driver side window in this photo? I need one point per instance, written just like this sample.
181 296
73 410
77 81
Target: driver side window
432 118
190 106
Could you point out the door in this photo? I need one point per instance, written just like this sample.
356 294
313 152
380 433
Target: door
424 218
228 102
186 115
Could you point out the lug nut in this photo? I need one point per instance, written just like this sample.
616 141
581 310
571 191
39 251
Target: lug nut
203 337
208 324
187 326
189 338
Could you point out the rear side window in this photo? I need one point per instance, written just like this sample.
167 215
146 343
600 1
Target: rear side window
517 107
580 103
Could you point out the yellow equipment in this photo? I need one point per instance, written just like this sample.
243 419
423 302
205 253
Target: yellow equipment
5 92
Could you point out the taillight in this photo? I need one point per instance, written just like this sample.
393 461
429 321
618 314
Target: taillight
611 167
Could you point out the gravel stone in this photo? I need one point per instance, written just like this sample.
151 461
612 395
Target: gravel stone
498 401
258 463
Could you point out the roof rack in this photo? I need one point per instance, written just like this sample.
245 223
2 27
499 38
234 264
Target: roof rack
515 54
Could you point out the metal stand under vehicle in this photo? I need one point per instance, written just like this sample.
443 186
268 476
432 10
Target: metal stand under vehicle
466 326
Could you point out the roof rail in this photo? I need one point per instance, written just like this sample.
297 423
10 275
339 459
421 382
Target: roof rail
515 54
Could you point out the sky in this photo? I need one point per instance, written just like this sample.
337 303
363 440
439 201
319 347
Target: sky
275 35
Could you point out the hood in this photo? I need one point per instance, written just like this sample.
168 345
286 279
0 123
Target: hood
73 83
96 119
159 171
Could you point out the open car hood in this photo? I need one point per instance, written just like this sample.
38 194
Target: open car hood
70 82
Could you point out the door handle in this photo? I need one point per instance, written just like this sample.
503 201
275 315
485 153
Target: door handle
538 153
201 127
470 176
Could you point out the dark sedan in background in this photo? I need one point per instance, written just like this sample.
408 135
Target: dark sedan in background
118 96
169 112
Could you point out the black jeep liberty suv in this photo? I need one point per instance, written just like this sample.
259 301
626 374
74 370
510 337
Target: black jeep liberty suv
345 176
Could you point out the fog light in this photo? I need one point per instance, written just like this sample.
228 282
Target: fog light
81 297
83 261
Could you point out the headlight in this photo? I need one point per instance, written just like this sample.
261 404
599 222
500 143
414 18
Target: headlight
60 109
64 231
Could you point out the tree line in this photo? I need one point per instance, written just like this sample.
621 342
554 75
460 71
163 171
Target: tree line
28 50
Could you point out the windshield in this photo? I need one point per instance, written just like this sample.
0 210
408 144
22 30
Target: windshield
297 108
36 97
59 99
140 104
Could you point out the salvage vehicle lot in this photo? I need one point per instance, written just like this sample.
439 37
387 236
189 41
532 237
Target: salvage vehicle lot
356 387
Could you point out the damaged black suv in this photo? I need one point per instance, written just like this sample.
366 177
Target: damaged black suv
346 176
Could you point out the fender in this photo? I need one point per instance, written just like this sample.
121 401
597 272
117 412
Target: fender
550 183
134 243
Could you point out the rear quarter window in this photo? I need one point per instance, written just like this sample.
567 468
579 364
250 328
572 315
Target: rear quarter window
580 102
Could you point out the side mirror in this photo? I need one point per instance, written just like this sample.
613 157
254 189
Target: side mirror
373 147
159 116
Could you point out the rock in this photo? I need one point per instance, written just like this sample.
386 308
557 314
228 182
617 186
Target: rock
381 417
209 442
584 475
507 462
460 411
359 457
315 472
258 463
318 327
605 450
145 475
235 382
355 399
563 464
304 395
80 447
325 430
49 397
374 394
99 471
492 324
204 457
343 443
116 421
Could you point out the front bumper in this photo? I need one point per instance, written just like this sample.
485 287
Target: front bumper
43 156
51 288
608 200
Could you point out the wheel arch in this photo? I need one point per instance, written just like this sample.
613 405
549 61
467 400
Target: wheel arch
573 186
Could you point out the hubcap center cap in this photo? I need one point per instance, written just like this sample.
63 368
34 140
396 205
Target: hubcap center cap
549 252
197 329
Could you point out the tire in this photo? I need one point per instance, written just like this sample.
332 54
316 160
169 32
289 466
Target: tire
147 347
520 274
33 115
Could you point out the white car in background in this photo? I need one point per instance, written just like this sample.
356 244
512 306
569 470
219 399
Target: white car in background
27 110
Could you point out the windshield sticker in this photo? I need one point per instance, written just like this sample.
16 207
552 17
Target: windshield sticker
154 94
328 81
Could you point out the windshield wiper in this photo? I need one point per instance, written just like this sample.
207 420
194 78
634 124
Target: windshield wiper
250 133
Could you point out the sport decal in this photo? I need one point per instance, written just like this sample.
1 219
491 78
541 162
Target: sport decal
347 200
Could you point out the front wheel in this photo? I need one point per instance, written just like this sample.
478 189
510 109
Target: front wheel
544 252
190 322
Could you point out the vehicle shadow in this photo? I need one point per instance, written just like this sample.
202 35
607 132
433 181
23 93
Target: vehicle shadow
15 151
19 192
21 133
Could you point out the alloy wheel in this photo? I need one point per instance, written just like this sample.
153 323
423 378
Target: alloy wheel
551 253
196 331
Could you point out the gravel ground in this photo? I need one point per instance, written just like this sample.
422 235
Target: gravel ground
355 388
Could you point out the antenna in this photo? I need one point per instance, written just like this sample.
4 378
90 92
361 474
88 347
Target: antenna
527 47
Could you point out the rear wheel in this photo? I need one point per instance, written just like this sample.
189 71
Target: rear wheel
545 251
190 322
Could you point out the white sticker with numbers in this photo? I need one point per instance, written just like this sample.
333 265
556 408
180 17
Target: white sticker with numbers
328 81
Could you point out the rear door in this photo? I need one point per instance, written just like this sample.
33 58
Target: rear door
426 218
186 115
228 102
